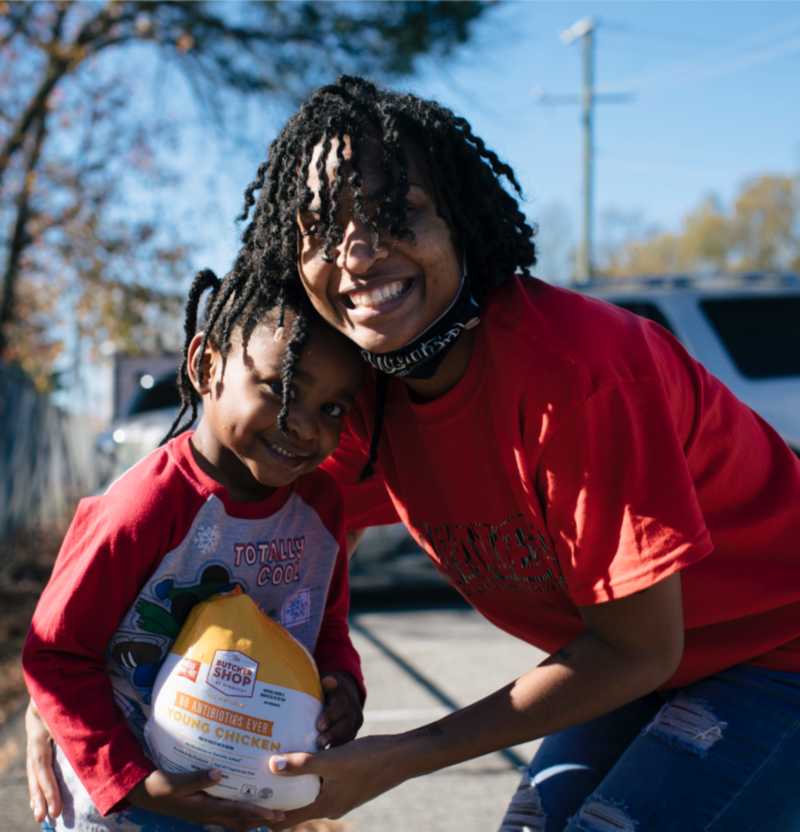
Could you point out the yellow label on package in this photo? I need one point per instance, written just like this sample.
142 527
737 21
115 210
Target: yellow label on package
236 689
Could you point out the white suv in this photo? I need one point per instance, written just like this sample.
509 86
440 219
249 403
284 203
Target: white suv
744 330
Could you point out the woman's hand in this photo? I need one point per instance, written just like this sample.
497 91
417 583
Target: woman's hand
43 791
351 774
343 714
182 796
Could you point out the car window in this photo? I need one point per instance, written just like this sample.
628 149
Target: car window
645 310
163 393
762 335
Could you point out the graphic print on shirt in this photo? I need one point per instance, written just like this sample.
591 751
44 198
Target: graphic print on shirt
139 653
296 609
482 557
278 561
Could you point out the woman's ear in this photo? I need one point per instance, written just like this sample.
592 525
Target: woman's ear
200 367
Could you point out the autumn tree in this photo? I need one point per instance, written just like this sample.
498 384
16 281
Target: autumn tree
78 145
765 227
759 232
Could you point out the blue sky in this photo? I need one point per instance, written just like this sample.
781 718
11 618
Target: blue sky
717 100
716 89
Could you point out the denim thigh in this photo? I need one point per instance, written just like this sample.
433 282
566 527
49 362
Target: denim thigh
722 755
569 765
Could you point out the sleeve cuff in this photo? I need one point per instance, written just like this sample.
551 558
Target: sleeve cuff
352 668
113 796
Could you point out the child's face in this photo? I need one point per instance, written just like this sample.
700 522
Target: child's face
239 434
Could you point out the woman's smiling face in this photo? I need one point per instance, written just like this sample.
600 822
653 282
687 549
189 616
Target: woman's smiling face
381 293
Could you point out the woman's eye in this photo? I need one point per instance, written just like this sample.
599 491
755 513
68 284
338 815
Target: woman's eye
276 388
309 225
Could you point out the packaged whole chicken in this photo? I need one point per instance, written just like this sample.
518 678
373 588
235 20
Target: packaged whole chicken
235 689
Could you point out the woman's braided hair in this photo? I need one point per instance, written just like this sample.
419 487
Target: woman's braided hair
466 177
491 232
239 302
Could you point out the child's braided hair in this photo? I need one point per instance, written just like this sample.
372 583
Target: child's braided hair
238 302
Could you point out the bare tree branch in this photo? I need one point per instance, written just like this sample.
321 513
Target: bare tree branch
61 211
18 237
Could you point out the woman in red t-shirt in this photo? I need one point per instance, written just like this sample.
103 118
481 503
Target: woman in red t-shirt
582 481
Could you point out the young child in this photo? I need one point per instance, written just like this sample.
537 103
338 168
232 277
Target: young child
236 502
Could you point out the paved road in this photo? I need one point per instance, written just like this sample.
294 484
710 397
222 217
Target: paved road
419 665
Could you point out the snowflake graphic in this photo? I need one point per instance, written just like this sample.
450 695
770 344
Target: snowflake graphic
206 539
297 609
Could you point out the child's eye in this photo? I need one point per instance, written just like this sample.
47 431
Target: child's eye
334 410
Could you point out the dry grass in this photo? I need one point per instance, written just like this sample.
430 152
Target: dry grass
26 560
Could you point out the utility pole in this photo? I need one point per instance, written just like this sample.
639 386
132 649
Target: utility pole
584 30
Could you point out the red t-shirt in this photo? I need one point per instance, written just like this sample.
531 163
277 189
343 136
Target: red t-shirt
585 456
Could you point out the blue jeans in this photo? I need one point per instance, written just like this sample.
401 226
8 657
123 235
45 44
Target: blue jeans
720 755
139 820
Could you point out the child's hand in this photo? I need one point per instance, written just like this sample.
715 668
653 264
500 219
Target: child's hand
342 716
182 796
43 789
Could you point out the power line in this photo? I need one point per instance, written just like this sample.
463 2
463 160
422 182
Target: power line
665 36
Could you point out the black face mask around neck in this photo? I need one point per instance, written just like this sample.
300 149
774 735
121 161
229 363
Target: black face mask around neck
421 358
